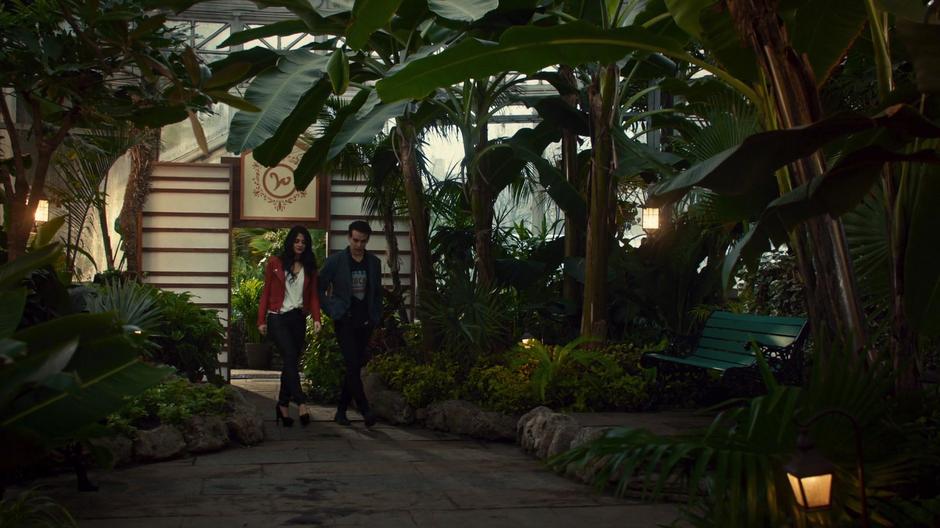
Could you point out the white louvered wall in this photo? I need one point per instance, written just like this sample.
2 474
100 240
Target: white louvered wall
186 233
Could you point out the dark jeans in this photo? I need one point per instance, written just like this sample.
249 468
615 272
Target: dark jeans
288 331
353 340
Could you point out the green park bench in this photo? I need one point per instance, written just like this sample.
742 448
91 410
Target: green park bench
725 345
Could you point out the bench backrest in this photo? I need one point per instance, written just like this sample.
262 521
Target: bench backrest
726 335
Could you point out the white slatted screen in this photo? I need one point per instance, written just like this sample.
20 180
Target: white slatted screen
186 235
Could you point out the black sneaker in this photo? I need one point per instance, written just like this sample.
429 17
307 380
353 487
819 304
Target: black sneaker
341 419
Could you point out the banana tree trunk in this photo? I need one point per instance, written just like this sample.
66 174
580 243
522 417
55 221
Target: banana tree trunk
827 271
418 218
574 227
603 99
903 342
482 199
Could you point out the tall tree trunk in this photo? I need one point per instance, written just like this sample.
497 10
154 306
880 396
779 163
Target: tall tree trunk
143 156
603 99
481 195
22 196
419 219
822 251
574 227
394 265
903 342
105 233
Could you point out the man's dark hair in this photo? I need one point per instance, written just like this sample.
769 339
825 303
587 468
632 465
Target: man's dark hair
360 225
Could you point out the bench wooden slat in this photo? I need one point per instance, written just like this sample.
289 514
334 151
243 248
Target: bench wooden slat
736 347
759 327
749 318
746 337
724 341
695 362
745 360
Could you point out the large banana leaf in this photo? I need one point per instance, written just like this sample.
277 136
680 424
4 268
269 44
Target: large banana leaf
77 370
923 43
282 28
278 146
276 92
528 49
716 31
368 16
14 271
740 169
364 127
12 303
463 10
316 158
833 193
921 272
824 31
320 18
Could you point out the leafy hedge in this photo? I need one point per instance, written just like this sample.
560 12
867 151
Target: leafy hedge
172 402
322 363
575 377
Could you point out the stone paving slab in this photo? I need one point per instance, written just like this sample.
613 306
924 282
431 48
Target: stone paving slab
328 475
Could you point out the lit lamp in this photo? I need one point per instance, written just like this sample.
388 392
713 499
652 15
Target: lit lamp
810 474
650 218
527 341
42 211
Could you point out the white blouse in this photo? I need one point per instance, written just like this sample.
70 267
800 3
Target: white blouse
294 291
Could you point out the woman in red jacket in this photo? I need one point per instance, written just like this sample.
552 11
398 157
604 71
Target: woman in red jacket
289 295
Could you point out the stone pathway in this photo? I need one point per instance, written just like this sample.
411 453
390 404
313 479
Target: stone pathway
328 475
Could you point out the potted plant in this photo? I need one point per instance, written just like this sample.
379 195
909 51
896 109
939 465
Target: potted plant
245 300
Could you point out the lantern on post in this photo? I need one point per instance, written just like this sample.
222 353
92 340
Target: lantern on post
811 475
42 212
649 218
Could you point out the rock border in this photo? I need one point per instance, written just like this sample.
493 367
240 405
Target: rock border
541 432
241 425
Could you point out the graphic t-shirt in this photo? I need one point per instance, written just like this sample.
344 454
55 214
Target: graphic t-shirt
359 310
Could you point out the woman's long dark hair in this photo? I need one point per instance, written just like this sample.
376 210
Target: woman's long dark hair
307 259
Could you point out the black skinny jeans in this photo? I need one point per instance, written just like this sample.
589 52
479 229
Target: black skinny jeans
353 340
288 331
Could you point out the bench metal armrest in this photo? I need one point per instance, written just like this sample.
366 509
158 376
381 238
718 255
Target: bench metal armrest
786 361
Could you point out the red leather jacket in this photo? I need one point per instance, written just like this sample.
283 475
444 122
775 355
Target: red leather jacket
272 296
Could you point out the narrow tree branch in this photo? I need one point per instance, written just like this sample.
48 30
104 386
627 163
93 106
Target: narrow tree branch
14 139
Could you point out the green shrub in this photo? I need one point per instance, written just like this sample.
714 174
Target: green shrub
426 384
499 388
134 303
322 363
420 385
172 402
190 337
29 508
246 299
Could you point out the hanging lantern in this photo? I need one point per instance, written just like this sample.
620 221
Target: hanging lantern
650 219
42 211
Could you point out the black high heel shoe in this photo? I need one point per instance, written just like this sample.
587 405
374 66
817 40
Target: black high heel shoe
278 417
305 419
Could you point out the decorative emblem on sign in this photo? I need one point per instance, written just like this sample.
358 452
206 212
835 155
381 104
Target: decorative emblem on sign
275 185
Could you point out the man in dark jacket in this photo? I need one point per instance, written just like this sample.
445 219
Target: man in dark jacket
351 294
